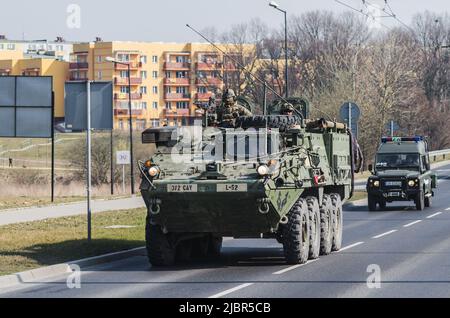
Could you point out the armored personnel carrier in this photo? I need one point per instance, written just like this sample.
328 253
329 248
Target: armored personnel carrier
274 176
401 173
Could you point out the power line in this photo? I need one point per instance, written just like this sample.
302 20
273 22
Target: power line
361 11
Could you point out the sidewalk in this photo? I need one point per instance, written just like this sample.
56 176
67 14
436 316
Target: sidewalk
55 211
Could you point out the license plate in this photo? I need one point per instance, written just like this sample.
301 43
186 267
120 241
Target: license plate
181 188
393 183
238 187
393 194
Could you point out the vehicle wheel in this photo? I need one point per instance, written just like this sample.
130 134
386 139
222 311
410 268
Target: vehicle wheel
326 226
296 234
184 251
337 221
314 227
382 204
159 250
371 203
200 247
215 245
420 201
428 201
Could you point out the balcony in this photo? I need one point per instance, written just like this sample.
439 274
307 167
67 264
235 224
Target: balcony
177 96
79 66
177 66
124 96
202 66
203 96
124 81
73 78
209 81
176 113
177 81
133 66
124 112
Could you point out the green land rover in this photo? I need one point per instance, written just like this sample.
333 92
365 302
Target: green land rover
401 173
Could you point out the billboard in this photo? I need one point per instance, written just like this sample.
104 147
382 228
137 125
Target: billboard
101 105
26 106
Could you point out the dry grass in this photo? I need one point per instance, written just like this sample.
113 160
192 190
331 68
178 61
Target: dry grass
30 245
358 195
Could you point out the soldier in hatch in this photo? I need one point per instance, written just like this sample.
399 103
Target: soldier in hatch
230 110
287 109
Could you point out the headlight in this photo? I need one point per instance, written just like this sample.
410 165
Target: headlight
376 183
411 183
153 171
263 170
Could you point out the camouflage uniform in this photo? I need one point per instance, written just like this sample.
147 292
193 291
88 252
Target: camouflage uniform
229 110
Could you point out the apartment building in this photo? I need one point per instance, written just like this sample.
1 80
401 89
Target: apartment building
167 79
58 49
40 67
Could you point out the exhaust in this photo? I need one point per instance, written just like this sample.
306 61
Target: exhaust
284 219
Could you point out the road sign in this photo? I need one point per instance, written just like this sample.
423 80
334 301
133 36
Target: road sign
123 157
101 105
26 106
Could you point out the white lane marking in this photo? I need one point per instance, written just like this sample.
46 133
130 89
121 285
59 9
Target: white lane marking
350 246
412 223
433 215
384 234
229 291
447 209
294 267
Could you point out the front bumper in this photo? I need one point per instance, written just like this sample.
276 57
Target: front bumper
394 194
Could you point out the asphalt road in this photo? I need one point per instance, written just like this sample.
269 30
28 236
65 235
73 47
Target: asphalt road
410 248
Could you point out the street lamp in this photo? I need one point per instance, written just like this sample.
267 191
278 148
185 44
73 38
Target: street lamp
110 59
274 5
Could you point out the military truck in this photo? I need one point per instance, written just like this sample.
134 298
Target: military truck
270 176
401 173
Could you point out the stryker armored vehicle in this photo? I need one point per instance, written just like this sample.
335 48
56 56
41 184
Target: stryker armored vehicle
274 176
401 173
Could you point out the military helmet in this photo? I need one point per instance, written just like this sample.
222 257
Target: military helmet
228 93
286 107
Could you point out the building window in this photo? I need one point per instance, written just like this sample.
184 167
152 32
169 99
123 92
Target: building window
155 105
1 46
155 74
155 89
144 74
155 59
124 89
182 105
181 90
99 75
143 89
11 46
168 74
144 59
123 57
144 105
202 90
50 47
168 105
121 124
181 59
124 74
181 74
59 48
99 58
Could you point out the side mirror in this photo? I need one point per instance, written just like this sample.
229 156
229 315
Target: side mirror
371 168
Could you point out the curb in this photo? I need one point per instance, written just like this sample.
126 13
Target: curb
19 279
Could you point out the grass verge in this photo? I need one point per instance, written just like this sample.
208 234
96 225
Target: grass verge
26 246
358 195
24 202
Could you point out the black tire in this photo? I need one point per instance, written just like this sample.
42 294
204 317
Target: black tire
420 201
371 203
214 246
428 202
296 234
282 122
159 250
326 226
184 250
314 227
337 221
382 204
200 247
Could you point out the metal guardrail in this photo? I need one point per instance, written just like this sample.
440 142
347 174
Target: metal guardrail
437 153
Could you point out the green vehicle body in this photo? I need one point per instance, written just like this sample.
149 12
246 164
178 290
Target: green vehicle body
406 177
192 204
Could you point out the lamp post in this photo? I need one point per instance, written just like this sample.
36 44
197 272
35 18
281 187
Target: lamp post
275 5
110 59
